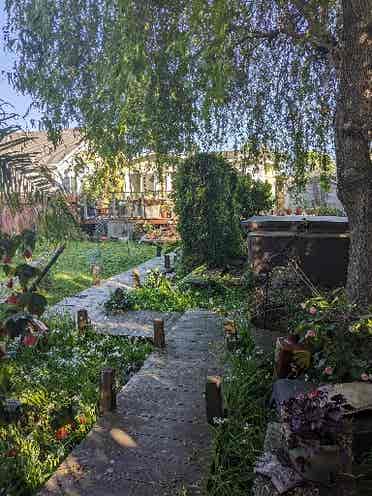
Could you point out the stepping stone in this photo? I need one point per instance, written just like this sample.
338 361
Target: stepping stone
128 324
158 441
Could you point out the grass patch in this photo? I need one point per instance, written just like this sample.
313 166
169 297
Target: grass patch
72 272
238 439
57 384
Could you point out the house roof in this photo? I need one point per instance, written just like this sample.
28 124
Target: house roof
43 152
44 156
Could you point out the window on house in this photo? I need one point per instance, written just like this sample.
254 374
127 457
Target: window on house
135 184
149 184
66 183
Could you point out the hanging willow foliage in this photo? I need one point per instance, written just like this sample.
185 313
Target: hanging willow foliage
292 76
162 76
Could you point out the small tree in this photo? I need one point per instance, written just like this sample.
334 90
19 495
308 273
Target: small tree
205 202
23 300
253 196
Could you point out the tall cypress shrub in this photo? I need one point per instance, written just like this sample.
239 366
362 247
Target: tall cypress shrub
207 210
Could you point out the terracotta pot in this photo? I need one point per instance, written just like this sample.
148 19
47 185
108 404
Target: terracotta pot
290 356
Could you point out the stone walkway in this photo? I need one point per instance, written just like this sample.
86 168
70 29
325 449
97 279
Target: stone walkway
157 442
132 323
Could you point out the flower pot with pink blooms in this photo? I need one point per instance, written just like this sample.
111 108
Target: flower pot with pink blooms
339 338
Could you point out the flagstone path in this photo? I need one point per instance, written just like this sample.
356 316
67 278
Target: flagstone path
133 323
157 442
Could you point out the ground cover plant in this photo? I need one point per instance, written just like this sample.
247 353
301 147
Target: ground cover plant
72 272
57 385
211 290
238 439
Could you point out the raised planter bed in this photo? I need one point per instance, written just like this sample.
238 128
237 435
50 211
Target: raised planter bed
320 244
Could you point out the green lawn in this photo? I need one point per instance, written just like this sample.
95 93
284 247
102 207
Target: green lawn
72 272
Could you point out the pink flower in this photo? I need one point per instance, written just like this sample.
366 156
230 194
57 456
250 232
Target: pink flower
310 334
312 311
30 340
328 371
313 394
364 377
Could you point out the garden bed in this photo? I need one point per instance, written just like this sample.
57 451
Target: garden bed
238 439
57 385
223 292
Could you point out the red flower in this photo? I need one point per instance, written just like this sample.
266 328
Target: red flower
30 340
9 284
12 300
7 260
61 433
27 253
313 394
328 371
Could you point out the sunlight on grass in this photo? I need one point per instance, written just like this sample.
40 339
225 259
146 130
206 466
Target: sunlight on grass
72 272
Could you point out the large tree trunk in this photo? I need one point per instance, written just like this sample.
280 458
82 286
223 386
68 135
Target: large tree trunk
353 125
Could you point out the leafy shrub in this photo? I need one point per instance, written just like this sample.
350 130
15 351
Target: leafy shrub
254 197
156 280
219 293
339 338
207 210
313 416
121 300
23 300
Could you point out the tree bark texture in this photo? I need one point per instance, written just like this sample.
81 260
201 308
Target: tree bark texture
353 135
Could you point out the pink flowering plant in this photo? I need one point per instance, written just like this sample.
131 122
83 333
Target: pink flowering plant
339 338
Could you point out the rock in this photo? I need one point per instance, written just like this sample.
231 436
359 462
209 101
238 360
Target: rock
263 485
10 410
284 389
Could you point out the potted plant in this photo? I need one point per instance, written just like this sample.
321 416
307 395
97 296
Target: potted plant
314 424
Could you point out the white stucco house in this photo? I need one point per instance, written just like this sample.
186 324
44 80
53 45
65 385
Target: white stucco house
144 193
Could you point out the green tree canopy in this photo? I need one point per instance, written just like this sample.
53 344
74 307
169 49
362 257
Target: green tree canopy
137 75
141 75
207 207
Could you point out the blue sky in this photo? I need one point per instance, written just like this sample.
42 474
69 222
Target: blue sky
21 103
